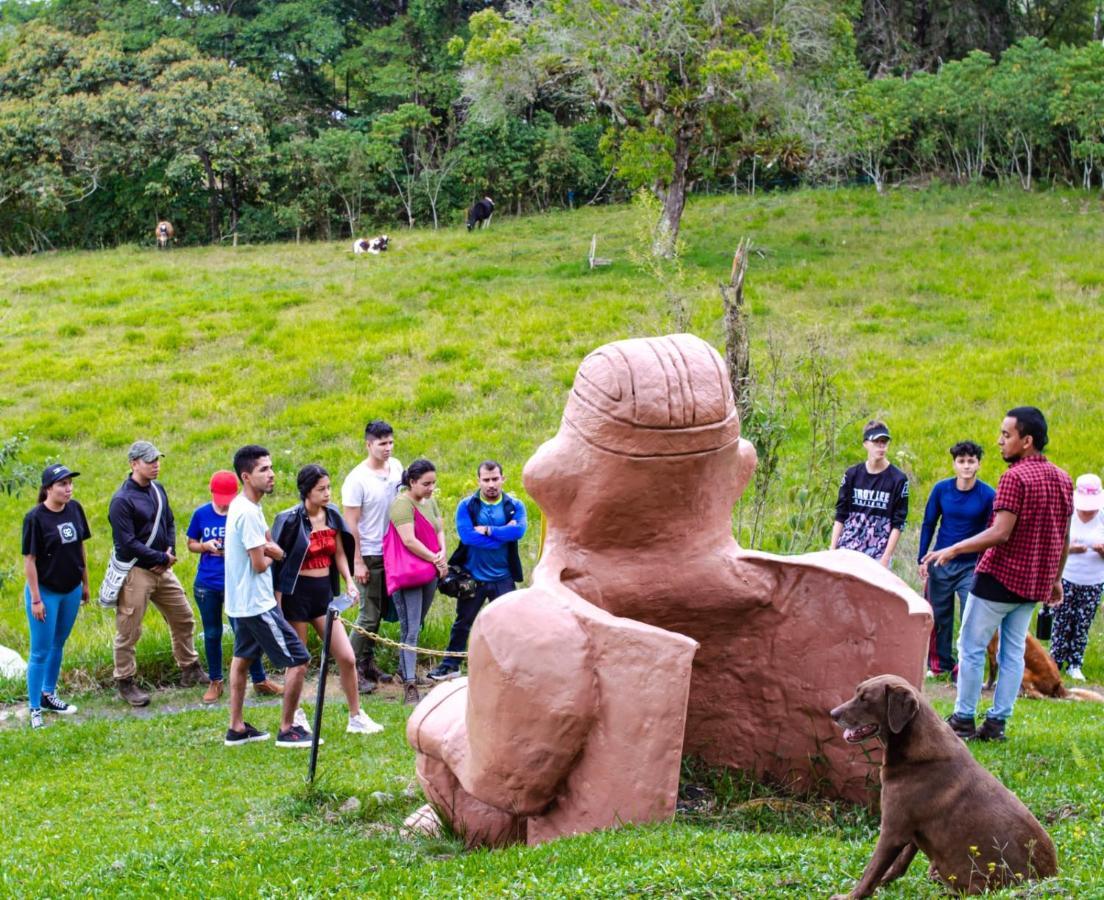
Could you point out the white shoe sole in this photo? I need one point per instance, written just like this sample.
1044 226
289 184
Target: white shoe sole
297 745
249 740
437 679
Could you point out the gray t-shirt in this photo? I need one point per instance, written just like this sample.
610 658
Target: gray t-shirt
374 493
248 593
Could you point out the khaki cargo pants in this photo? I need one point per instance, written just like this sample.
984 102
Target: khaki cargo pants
140 589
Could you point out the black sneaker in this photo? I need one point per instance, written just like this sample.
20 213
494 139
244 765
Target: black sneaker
442 673
51 703
245 736
991 730
962 726
296 736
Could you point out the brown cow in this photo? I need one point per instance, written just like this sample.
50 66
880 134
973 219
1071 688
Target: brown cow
164 234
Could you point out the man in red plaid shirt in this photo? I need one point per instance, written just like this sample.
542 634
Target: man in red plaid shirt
1025 549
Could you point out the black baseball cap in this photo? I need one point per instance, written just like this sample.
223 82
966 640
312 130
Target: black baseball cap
55 473
876 433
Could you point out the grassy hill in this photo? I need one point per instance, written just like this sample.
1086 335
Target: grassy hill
937 309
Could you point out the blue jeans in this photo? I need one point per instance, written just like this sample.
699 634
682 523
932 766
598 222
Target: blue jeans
981 619
412 604
954 577
466 611
48 639
209 602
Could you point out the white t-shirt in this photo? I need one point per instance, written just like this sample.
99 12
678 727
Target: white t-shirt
1087 567
248 593
374 493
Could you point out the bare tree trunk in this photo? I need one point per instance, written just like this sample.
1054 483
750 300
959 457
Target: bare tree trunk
737 335
212 197
675 199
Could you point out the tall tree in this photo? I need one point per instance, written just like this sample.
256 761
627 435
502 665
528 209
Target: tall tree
656 67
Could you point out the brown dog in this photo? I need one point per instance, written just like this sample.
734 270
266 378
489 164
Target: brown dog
937 798
1041 678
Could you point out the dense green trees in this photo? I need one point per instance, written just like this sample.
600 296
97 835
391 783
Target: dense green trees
324 118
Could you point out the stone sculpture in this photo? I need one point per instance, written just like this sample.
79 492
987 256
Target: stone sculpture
581 697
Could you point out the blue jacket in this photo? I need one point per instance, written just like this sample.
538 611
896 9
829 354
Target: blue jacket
291 530
467 515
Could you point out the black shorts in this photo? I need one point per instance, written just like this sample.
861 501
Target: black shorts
309 602
269 633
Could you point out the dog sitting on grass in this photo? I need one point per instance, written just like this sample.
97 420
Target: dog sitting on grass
937 798
371 245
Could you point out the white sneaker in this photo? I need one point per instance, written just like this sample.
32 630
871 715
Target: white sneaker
300 719
929 674
1075 673
36 719
362 723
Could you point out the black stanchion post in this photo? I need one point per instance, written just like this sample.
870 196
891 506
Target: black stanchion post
337 606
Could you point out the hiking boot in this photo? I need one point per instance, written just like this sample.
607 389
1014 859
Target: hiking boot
247 735
1075 673
214 691
295 737
362 723
130 692
51 703
192 675
962 726
365 683
375 673
268 687
410 694
36 719
442 673
991 730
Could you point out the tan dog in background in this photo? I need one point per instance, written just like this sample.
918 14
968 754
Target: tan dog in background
937 798
164 233
1041 678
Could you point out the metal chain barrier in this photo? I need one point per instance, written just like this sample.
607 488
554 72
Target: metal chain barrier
380 639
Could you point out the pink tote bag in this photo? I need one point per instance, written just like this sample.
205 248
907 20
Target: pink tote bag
401 568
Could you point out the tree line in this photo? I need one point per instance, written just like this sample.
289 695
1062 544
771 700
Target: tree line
278 119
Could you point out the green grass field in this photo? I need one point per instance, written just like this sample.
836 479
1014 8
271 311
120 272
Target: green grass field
937 309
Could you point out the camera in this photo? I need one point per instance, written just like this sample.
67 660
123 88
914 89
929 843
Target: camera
457 583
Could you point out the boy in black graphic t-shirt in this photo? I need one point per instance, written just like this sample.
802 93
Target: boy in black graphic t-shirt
873 501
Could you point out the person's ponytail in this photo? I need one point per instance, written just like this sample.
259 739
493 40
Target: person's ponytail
416 470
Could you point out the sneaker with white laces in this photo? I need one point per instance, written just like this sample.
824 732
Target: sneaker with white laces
300 720
51 703
362 723
1075 673
36 719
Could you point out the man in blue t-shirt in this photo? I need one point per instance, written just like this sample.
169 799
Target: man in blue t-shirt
489 524
962 506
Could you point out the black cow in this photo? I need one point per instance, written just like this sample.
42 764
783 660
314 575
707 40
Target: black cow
480 213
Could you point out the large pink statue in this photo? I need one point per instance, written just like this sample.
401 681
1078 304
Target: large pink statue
581 698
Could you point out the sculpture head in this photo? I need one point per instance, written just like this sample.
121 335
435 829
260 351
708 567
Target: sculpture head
643 413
